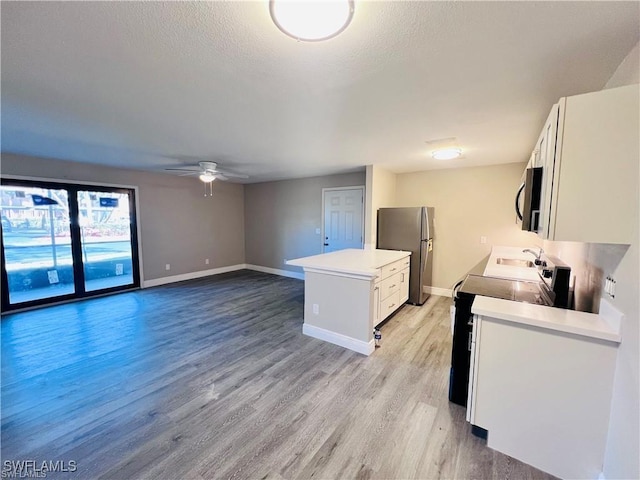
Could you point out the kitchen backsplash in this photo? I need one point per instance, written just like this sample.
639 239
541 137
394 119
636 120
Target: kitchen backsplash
590 263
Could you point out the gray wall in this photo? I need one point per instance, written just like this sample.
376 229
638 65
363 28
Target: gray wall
281 218
178 224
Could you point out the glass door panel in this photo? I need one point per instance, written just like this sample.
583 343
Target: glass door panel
105 235
36 237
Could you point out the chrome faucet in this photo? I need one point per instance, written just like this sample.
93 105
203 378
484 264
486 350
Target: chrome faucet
537 255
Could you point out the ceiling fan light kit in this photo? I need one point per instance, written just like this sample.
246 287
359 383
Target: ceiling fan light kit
207 177
311 20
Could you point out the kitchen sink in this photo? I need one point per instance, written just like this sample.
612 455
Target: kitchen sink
514 262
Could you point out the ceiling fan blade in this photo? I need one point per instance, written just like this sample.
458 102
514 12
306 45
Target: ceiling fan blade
184 169
231 174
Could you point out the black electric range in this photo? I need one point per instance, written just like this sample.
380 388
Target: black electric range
516 290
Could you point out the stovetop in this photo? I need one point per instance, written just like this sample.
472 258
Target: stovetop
516 290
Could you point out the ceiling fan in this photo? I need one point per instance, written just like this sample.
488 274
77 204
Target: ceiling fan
207 172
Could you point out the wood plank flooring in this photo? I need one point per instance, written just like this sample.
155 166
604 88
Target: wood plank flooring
212 378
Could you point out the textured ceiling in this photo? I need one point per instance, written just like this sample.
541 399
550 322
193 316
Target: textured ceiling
150 85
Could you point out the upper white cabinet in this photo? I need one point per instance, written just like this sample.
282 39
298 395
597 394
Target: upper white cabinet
589 151
544 156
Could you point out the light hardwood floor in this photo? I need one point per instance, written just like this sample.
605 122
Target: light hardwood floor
212 378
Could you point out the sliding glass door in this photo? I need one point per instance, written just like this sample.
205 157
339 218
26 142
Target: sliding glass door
105 237
65 241
36 239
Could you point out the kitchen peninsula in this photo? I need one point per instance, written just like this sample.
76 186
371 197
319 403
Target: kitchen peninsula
348 292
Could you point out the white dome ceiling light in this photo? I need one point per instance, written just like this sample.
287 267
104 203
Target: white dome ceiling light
311 20
207 177
447 153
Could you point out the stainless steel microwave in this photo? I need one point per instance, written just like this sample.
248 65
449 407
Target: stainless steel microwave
528 208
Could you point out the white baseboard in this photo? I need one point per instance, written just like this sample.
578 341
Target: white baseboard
442 292
275 271
192 275
216 271
601 476
366 348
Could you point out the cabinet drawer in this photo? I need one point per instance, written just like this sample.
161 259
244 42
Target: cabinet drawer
390 285
390 304
394 267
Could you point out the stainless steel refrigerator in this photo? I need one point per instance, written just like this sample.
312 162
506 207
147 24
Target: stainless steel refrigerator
410 229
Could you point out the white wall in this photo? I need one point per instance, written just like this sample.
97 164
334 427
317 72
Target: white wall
380 193
628 72
622 459
469 203
591 263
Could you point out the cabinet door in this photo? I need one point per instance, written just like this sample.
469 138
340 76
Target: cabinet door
596 197
376 305
545 157
404 285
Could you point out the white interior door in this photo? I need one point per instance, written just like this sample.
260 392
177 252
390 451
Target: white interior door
343 216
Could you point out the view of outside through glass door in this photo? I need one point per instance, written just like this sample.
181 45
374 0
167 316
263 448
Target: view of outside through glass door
106 239
37 243
61 243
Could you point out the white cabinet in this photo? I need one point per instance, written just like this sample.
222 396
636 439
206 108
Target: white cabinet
589 150
544 156
348 292
376 304
404 285
391 289
543 396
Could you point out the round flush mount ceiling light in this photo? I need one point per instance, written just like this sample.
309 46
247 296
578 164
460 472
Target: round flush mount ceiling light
207 177
446 153
311 20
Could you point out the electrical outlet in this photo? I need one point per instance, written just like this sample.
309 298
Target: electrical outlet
206 261
317 231
483 239
610 286
316 309
167 267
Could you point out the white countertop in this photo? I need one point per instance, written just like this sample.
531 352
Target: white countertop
558 319
350 261
603 326
508 271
